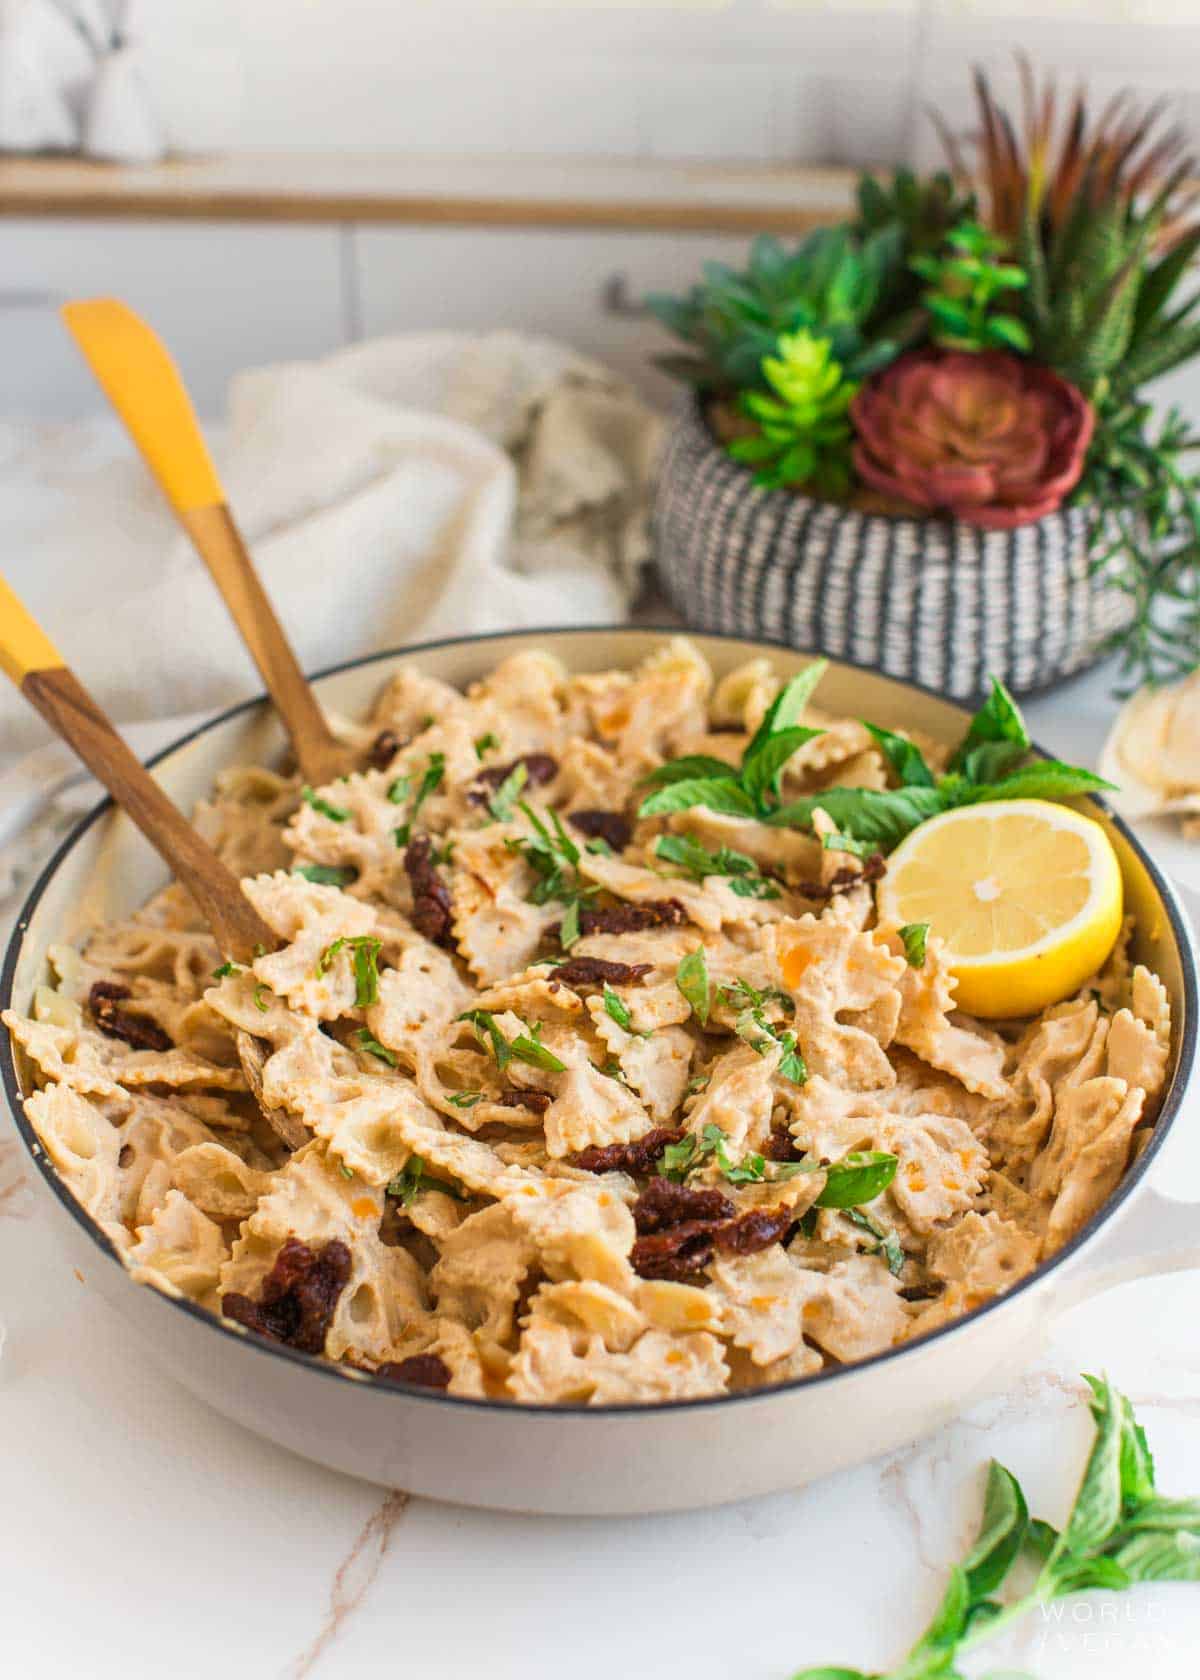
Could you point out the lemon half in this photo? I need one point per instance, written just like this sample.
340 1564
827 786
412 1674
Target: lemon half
1026 894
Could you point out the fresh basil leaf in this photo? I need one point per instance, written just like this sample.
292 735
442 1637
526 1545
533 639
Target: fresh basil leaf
335 813
691 977
569 929
846 843
412 1180
688 768
786 708
485 744
727 798
763 766
830 1674
906 759
1041 1537
992 759
505 797
1137 1461
914 936
527 1048
327 874
887 1243
947 1627
857 1177
1001 1532
753 886
399 790
884 817
1097 1509
686 854
373 1047
679 1159
465 1099
1156 1556
998 719
1046 778
1160 1513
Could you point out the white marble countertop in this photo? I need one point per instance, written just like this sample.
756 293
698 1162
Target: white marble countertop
142 1535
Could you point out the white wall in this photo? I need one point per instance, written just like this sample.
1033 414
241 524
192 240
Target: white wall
814 80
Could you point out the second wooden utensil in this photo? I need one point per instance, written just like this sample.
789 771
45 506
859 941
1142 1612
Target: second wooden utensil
143 384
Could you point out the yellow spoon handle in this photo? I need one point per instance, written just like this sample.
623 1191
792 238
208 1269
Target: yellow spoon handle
139 378
24 645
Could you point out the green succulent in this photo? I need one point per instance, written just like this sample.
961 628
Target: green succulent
965 281
923 209
834 284
804 430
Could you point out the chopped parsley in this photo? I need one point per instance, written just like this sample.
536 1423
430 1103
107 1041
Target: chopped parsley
413 1180
374 1048
346 1172
435 770
226 968
692 979
327 874
887 1243
569 930
618 1009
399 790
259 1002
753 1026
365 949
335 813
505 797
847 843
915 938
485 744
465 1099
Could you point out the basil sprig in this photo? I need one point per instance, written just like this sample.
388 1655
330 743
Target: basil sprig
986 765
1120 1532
327 874
750 788
431 780
413 1179
364 949
526 1047
743 874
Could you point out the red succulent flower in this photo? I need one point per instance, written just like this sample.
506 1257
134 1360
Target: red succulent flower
989 437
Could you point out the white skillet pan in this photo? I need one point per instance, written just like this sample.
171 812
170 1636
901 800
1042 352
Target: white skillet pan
618 1460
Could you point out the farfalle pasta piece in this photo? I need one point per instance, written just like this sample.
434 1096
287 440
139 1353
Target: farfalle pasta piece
662 707
482 1265
308 973
741 696
739 1098
974 1057
588 1108
762 1300
982 1253
312 1200
581 1230
180 1249
418 998
827 1121
100 1066
942 1167
858 1310
1139 1038
1050 1052
352 824
845 986
217 1181
497 930
656 1063
244 820
1086 1153
410 701
84 1145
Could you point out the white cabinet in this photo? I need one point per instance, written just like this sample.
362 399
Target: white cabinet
537 280
224 295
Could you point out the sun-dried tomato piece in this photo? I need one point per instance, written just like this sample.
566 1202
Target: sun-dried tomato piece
537 1102
426 1370
636 1157
674 1254
132 1029
874 868
633 918
431 912
597 971
540 768
611 826
384 748
781 1146
664 1203
754 1230
298 1296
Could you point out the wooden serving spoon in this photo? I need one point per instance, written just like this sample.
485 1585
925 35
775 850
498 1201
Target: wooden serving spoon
29 657
143 384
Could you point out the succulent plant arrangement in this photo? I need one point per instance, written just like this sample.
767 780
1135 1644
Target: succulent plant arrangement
976 344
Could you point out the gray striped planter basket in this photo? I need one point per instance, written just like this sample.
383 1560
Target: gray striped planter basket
932 601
